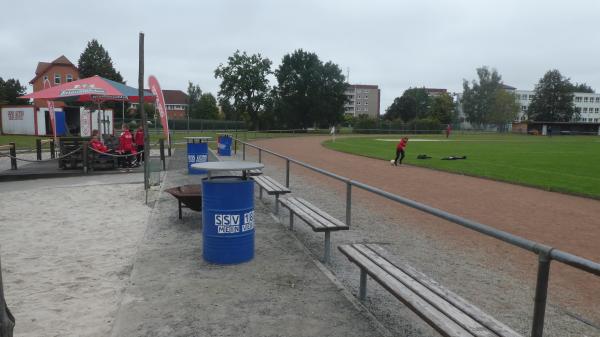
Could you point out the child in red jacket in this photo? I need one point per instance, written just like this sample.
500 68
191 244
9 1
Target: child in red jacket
400 150
139 142
126 145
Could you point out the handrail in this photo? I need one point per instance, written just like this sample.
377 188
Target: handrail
545 253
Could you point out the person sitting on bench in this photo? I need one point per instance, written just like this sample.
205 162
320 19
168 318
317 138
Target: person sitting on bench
96 144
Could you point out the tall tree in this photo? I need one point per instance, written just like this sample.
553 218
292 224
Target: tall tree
504 108
414 103
10 90
309 91
229 111
478 99
552 99
244 82
443 108
194 94
207 107
95 61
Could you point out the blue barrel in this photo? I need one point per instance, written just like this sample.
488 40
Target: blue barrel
228 220
196 153
224 147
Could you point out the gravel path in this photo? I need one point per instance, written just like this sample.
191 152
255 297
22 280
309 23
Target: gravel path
495 276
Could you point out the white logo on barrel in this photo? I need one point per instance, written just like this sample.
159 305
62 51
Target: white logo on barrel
230 223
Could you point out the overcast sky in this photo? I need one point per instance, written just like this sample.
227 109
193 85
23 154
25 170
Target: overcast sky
393 44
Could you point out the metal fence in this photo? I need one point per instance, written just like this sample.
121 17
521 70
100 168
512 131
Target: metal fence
545 253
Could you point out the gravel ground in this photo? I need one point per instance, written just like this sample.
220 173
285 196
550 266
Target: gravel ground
495 285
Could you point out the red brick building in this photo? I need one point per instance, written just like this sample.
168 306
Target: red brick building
176 102
56 72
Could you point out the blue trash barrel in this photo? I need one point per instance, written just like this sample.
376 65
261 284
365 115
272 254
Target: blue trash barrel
224 147
196 153
228 220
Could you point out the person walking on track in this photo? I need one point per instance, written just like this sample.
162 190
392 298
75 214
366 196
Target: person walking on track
400 150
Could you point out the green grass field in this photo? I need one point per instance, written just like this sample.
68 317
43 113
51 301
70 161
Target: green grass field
564 163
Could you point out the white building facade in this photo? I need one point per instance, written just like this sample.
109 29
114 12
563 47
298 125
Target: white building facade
363 99
587 105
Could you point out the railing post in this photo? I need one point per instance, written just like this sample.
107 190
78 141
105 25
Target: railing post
52 154
287 173
243 151
38 148
235 145
541 292
161 142
84 154
13 156
169 148
259 155
348 203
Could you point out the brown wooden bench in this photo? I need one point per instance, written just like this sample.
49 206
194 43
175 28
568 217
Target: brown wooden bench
189 196
272 187
66 147
316 218
446 312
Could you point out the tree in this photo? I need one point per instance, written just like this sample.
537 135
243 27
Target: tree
414 103
477 100
582 87
194 94
309 92
504 109
442 108
207 107
228 110
10 90
244 83
552 99
95 61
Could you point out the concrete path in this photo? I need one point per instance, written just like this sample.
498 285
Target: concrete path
283 291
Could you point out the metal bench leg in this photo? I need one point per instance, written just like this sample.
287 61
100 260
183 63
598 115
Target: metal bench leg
260 192
291 220
179 201
327 246
276 204
362 292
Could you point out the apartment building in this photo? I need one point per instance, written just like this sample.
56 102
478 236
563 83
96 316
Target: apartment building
588 105
363 99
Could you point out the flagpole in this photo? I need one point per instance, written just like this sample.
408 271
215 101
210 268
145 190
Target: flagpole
143 115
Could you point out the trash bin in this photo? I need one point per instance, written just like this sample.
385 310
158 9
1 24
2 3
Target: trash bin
196 153
224 145
228 220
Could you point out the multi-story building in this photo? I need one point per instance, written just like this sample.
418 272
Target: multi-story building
56 72
363 99
586 104
176 102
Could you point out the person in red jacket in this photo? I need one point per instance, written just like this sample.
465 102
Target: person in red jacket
97 145
400 150
126 145
448 129
139 142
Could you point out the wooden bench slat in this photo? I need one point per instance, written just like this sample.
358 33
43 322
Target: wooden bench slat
435 318
316 226
314 214
440 303
270 185
278 186
326 216
477 314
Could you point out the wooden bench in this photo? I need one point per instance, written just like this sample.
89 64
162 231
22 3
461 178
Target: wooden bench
101 161
255 172
68 145
316 218
446 312
272 187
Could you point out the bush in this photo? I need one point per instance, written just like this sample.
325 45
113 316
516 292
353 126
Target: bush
425 125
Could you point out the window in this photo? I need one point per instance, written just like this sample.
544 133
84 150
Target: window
597 110
595 119
577 99
523 108
69 78
597 99
45 78
584 110
56 78
367 103
530 97
585 99
358 102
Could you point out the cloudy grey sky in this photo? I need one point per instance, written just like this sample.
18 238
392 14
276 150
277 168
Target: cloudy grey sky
394 44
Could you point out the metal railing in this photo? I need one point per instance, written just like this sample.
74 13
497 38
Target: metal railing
545 253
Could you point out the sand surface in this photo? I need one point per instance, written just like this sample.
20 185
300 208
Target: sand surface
67 248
